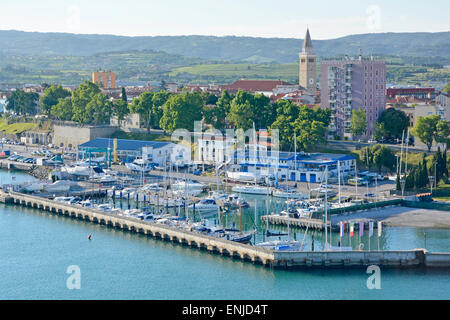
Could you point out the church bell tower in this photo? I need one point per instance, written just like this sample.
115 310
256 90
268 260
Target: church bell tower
308 71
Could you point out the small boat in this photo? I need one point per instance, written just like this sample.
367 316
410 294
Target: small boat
104 207
188 185
58 186
140 165
64 199
107 178
234 201
291 194
86 203
80 170
252 190
275 234
239 237
207 204
281 245
33 187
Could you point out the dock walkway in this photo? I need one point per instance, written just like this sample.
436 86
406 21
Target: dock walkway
245 252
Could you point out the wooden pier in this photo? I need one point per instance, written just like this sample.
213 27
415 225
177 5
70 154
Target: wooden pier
268 258
315 224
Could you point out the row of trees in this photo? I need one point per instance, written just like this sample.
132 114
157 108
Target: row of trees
86 104
170 112
418 177
22 102
163 110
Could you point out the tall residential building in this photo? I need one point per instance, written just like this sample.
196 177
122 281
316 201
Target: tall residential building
308 71
105 79
353 84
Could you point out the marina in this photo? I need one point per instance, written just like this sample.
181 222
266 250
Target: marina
255 254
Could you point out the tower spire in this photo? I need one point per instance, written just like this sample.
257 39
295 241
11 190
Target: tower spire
307 43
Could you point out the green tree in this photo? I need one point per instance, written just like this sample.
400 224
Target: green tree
425 129
383 157
216 116
21 102
394 122
149 106
209 98
62 110
123 95
242 110
90 105
181 111
380 131
359 122
143 105
265 114
310 127
287 113
447 88
51 97
443 132
120 110
366 156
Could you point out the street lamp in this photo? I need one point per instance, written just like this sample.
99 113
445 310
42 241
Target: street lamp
402 184
431 178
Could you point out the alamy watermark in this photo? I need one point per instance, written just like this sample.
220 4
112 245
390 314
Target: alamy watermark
374 281
73 282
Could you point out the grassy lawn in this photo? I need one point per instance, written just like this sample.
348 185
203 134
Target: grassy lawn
16 128
445 199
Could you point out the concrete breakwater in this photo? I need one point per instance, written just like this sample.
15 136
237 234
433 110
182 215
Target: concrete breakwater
268 258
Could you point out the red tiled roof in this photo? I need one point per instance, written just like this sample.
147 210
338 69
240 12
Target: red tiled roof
254 85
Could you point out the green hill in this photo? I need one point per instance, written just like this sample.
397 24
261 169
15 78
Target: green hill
230 48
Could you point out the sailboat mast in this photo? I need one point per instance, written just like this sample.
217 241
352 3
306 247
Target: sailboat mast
339 180
326 206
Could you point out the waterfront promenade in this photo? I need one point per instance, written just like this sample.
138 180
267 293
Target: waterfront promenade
268 258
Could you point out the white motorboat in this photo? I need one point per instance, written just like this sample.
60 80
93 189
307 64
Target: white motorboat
243 176
107 178
64 199
234 201
281 245
252 190
104 207
290 195
86 203
188 185
33 187
152 187
207 204
188 193
140 165
58 186
79 170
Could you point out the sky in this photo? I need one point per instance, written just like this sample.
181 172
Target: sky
256 18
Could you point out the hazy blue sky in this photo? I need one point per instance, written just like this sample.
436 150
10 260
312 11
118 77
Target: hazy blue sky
262 18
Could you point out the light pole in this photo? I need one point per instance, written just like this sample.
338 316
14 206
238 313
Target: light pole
431 178
402 184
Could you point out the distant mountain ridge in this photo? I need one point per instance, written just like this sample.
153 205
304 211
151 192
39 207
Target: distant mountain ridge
229 48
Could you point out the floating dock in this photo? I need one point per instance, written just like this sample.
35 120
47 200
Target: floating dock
273 259
315 224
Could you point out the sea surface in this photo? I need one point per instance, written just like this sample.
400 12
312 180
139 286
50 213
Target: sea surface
37 248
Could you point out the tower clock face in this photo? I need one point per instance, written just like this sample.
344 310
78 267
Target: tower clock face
311 81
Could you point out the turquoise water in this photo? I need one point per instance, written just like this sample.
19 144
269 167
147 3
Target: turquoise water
36 249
